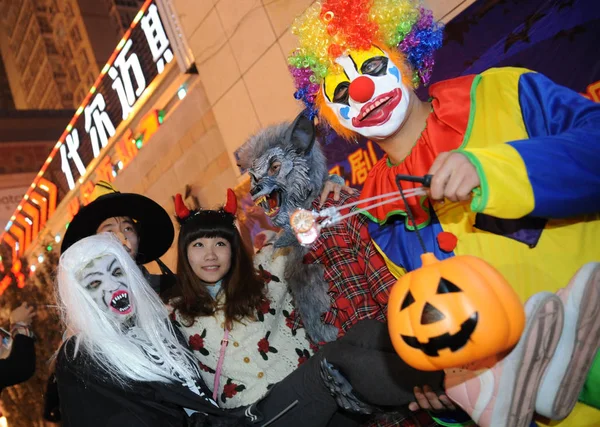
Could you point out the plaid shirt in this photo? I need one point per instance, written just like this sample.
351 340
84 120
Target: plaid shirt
359 280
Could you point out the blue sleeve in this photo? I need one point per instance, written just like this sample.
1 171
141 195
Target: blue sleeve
562 154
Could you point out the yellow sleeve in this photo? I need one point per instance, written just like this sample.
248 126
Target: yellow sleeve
505 190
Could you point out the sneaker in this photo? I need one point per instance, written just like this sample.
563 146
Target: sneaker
580 339
504 395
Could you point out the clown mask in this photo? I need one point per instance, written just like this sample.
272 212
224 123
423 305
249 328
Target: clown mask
106 282
368 95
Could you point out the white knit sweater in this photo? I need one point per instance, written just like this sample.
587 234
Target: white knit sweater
260 352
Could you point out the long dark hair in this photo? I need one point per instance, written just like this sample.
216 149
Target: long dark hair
244 290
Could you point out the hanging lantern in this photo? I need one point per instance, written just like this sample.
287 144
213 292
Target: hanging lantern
453 312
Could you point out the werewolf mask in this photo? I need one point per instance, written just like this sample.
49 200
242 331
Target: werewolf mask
287 170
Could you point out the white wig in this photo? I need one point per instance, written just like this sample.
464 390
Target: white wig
122 355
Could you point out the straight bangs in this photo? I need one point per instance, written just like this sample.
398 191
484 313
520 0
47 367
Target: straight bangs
208 224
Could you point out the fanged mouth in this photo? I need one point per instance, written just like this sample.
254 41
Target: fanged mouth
119 302
378 111
270 203
453 342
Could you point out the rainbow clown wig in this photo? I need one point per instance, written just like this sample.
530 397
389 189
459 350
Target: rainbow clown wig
404 29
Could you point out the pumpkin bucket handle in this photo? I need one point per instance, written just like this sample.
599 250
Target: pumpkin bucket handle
409 211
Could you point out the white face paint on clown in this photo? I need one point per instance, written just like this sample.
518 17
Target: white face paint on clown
106 282
368 96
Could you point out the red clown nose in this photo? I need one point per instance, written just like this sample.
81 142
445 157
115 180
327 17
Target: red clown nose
362 89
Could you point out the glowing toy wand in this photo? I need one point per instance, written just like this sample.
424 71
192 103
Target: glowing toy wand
307 224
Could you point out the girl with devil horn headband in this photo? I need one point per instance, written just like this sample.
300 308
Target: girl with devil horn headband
236 321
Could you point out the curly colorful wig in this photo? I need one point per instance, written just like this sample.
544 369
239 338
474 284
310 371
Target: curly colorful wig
329 29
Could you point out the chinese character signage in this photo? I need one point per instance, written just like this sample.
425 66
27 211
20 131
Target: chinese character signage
139 58
352 161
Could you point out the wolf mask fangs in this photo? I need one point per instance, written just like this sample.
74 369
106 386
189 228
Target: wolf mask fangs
287 170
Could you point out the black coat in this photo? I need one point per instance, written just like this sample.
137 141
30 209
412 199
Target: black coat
88 398
51 401
19 366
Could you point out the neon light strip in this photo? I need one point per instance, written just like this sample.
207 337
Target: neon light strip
31 210
27 229
11 241
83 105
42 202
19 233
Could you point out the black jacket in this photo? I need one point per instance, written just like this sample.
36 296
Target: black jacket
161 283
51 400
88 398
19 366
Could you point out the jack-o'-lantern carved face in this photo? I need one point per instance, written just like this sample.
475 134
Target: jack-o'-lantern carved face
453 312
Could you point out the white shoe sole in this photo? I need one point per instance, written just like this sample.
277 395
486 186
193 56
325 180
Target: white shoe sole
524 366
566 374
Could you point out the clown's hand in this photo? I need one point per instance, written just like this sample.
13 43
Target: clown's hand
335 184
454 177
428 400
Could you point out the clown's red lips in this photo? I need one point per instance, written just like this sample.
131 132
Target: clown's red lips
379 110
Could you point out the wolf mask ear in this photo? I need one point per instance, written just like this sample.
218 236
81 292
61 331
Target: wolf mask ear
301 134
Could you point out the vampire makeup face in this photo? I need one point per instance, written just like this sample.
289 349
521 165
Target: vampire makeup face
368 95
107 284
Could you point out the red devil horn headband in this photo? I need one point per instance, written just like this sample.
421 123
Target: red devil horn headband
231 204
183 213
181 209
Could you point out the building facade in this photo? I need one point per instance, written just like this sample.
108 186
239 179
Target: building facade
6 99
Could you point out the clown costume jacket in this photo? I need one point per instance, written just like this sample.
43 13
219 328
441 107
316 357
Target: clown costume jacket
535 147
535 216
